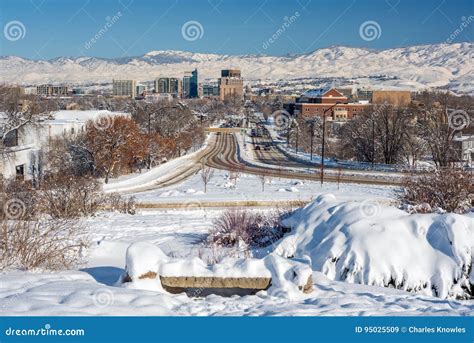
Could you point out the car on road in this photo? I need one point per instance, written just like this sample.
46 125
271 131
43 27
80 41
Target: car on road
267 147
257 147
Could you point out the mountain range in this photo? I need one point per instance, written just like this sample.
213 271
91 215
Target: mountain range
444 66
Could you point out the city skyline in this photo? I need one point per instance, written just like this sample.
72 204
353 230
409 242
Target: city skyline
114 29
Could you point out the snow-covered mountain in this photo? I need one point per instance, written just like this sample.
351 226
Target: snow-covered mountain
438 66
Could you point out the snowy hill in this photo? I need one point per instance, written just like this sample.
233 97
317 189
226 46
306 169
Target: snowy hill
438 66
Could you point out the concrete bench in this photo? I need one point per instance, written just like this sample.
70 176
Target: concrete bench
230 277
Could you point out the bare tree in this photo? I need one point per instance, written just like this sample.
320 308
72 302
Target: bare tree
17 112
115 144
339 175
263 177
234 174
379 133
206 174
435 125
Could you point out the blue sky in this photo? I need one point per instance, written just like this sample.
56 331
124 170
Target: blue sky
52 28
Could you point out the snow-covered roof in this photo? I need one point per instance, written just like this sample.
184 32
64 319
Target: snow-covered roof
77 116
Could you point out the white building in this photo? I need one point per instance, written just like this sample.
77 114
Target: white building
124 88
464 146
21 156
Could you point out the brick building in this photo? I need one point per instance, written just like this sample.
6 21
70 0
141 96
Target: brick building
230 84
317 102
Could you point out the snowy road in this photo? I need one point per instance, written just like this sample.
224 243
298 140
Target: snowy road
230 157
227 152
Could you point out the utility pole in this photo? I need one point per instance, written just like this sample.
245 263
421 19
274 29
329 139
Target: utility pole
373 142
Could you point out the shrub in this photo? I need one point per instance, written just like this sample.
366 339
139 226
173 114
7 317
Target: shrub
115 202
253 229
451 190
48 244
18 200
64 196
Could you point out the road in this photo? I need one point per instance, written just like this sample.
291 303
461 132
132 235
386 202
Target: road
225 156
273 156
222 152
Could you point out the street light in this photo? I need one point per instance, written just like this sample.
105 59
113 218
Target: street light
324 139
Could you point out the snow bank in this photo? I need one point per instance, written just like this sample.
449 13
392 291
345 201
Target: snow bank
369 244
146 263
158 174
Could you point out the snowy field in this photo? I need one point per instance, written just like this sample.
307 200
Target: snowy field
92 289
249 187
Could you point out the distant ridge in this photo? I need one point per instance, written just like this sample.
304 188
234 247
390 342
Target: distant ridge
447 66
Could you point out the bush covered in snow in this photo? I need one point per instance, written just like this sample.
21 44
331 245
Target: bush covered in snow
384 246
248 228
450 190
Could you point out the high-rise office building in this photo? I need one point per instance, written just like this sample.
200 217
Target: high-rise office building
194 85
169 85
186 86
231 84
162 85
191 84
124 88
176 86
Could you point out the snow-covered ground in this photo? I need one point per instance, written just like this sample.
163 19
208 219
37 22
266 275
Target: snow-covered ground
92 289
78 293
249 187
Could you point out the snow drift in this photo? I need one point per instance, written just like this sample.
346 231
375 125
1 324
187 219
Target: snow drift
368 244
146 265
